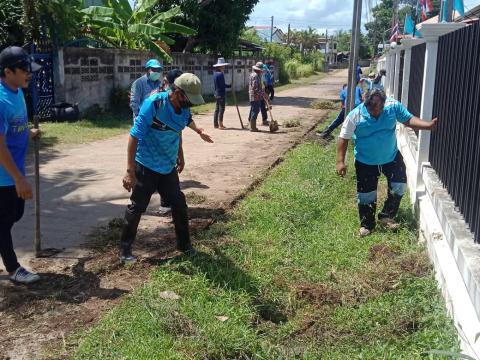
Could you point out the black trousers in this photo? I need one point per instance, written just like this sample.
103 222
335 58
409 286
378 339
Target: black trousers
219 111
11 211
270 91
168 186
367 182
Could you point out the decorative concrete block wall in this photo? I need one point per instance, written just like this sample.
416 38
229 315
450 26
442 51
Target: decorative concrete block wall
88 76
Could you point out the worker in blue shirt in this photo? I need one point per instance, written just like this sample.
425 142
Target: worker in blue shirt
268 81
220 93
373 127
326 133
16 68
155 158
146 84
359 72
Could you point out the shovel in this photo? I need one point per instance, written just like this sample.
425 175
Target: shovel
273 124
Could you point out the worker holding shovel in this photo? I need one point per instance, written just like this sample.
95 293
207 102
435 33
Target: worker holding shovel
16 68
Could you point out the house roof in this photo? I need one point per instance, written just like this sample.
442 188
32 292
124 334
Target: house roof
264 32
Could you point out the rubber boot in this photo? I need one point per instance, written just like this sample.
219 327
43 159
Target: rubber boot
391 206
367 215
129 232
180 220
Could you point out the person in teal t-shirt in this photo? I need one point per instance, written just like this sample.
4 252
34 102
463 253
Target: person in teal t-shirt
16 68
372 125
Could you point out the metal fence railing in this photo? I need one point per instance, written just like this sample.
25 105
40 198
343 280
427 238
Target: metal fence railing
416 79
455 146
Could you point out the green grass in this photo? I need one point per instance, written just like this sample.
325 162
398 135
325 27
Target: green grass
99 127
294 280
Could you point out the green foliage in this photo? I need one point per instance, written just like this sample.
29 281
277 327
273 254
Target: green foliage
281 54
344 38
219 24
251 35
296 70
11 31
118 25
314 58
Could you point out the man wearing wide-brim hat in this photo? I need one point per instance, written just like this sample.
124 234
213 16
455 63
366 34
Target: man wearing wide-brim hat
220 92
256 96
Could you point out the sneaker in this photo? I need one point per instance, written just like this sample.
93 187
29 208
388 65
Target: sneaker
23 276
164 210
364 232
389 224
324 134
126 258
191 251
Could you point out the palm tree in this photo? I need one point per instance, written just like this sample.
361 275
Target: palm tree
118 25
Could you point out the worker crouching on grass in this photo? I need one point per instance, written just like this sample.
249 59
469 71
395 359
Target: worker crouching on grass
155 158
372 125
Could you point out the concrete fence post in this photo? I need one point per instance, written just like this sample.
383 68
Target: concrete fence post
431 34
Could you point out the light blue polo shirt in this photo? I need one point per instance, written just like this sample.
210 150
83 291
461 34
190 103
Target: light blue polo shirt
157 128
14 126
375 138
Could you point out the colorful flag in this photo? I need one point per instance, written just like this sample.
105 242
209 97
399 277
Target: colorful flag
458 6
426 7
409 25
395 33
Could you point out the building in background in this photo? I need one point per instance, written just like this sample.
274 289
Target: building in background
264 32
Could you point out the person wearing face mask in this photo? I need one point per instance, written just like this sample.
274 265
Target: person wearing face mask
155 158
146 84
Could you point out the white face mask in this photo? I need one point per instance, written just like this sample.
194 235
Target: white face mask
154 76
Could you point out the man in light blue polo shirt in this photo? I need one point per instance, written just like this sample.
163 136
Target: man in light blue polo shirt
155 158
144 85
372 125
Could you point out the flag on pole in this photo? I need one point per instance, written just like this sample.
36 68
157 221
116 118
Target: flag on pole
426 7
409 25
395 33
458 6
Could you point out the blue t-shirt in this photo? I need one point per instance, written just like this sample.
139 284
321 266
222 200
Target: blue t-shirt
343 95
358 96
268 78
14 126
375 138
157 128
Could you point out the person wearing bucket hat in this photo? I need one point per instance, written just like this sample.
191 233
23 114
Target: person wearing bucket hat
146 84
155 158
220 93
16 68
256 96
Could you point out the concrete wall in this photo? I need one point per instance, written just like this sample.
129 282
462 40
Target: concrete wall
88 76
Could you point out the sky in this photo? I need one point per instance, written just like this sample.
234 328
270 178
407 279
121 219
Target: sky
319 14
322 15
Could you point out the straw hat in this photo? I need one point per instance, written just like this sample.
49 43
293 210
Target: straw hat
221 62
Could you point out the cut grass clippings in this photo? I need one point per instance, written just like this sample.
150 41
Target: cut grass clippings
286 277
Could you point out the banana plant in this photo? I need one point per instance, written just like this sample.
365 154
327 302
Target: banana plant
118 25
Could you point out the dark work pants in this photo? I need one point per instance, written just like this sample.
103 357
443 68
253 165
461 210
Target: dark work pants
219 111
270 91
254 110
337 122
11 211
367 182
264 111
168 186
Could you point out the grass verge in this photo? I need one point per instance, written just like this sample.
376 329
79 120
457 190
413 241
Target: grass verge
286 277
99 127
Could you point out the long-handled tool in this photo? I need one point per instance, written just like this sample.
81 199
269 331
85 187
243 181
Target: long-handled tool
273 126
36 142
234 95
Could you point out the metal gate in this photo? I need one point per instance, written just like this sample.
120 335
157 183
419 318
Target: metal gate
41 89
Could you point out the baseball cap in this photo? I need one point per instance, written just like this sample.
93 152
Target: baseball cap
153 63
16 57
173 74
192 86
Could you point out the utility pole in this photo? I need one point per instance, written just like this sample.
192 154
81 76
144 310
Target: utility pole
326 51
354 48
288 35
271 31
449 11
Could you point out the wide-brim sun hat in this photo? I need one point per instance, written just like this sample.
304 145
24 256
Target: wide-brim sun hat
221 62
191 86
258 66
